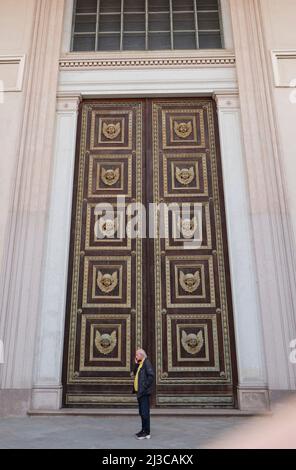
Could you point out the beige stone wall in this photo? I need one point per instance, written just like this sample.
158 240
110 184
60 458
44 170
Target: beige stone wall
280 35
30 32
16 26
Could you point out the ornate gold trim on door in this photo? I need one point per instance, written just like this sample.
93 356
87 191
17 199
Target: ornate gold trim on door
102 310
170 295
206 297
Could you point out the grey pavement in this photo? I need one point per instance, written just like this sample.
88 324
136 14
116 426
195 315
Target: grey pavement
82 432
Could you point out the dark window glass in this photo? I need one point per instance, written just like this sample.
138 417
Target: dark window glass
132 6
85 24
183 5
109 23
86 6
160 22
108 42
84 43
134 22
110 6
134 42
184 41
210 41
159 41
184 22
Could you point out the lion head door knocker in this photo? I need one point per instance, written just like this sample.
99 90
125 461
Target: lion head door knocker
192 343
185 176
107 282
112 130
187 227
190 281
183 129
105 343
110 176
107 227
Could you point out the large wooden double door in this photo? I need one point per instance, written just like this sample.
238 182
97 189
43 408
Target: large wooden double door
167 289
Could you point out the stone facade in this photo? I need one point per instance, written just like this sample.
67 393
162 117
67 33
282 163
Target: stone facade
42 86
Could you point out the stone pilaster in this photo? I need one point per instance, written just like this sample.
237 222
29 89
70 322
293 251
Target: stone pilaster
47 387
246 308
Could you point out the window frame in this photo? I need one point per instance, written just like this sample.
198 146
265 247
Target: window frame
172 32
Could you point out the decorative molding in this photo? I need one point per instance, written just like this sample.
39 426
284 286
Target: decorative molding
68 103
277 58
226 101
15 82
93 61
147 81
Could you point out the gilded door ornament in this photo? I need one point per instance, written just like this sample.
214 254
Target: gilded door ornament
107 282
108 227
192 343
112 130
105 343
190 281
187 227
185 175
110 176
183 129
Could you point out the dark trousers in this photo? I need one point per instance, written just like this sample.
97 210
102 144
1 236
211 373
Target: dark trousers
144 411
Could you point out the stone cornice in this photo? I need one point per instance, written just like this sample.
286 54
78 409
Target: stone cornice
93 61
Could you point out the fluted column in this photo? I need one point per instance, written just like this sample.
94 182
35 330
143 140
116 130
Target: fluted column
269 214
20 292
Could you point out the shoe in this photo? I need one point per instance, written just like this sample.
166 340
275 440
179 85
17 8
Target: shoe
143 435
139 433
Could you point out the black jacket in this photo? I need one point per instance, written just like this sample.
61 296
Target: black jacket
145 379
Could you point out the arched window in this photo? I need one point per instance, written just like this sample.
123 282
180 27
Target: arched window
121 25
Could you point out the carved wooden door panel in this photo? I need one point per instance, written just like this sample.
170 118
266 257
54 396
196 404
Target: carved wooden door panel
193 331
169 294
104 312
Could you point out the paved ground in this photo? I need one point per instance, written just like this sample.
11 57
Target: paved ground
70 432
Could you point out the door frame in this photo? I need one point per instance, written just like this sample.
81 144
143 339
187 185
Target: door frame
217 80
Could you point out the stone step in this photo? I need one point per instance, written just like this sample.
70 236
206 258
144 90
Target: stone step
184 412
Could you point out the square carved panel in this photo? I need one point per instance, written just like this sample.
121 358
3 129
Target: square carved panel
111 129
105 342
110 176
107 281
190 281
192 343
183 128
106 227
185 175
188 226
